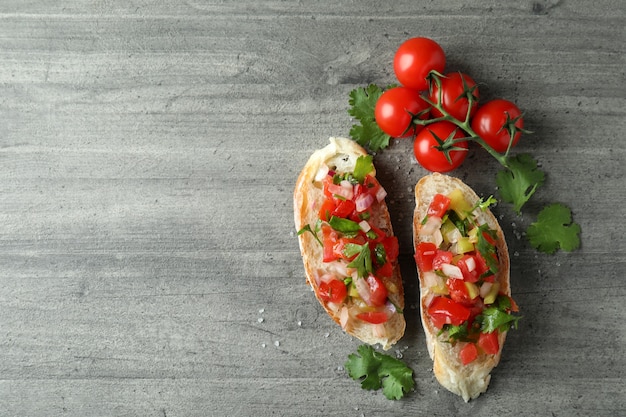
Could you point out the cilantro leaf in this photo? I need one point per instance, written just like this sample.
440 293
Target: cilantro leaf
486 249
554 228
362 103
343 225
363 261
376 370
520 181
364 165
307 228
493 318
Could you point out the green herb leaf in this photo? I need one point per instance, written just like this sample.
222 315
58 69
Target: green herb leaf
554 228
486 249
520 181
362 103
343 225
495 318
364 165
376 370
363 261
307 228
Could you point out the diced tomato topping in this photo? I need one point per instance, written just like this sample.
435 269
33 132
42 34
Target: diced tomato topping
458 292
386 270
424 255
329 238
378 291
334 291
327 209
371 184
488 342
444 310
326 182
392 248
438 206
343 209
468 266
376 235
442 257
468 353
374 317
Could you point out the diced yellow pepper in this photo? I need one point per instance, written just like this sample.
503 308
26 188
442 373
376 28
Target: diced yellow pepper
490 298
472 289
459 204
464 245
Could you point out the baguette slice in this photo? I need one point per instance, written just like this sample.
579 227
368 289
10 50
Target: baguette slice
340 156
470 380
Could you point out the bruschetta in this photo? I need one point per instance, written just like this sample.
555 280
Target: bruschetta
463 267
347 243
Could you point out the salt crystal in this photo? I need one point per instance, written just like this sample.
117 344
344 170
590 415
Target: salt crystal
260 320
277 343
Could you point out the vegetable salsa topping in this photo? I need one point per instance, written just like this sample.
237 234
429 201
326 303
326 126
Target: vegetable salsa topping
459 262
360 255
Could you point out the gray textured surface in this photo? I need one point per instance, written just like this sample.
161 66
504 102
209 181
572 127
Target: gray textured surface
148 152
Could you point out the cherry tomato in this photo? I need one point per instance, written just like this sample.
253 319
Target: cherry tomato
378 291
468 353
334 291
374 317
444 310
414 59
431 158
488 342
395 110
453 95
490 123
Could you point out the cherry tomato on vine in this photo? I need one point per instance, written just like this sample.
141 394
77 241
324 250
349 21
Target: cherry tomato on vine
425 147
395 110
414 59
493 121
454 88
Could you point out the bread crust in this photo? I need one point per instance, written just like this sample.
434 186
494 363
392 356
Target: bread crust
468 381
308 196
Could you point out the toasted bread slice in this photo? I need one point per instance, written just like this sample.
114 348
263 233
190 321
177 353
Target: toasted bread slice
470 380
340 157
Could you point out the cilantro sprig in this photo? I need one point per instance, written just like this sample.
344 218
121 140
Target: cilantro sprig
377 370
367 133
517 182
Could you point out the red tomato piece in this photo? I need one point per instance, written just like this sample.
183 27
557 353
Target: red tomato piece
395 110
414 60
386 270
374 317
371 184
468 353
334 291
443 310
469 268
490 123
343 209
424 255
392 248
329 239
327 209
427 151
458 292
453 95
378 291
439 206
488 342
442 257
